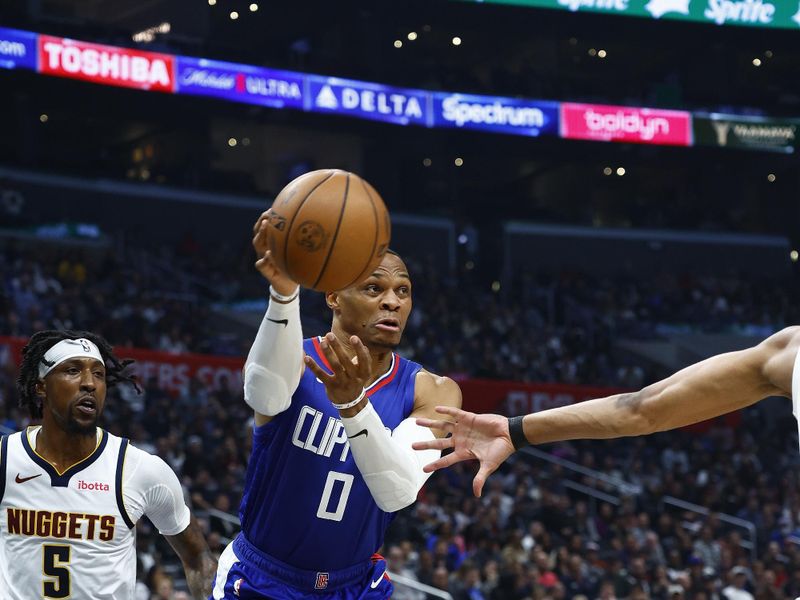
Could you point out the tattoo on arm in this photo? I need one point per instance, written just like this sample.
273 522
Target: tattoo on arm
198 563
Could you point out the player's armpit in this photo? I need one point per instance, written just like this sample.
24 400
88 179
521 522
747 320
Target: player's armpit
431 391
198 563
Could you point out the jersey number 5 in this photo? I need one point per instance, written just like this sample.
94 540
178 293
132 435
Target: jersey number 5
57 583
346 479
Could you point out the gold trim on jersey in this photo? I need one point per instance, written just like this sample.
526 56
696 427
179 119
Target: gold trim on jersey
61 473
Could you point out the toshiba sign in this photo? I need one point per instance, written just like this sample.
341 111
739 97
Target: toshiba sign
108 65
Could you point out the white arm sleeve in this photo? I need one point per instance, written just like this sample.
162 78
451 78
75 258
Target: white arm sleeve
391 469
153 489
275 362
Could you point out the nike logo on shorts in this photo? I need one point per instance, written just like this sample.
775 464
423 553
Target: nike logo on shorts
377 582
284 322
363 431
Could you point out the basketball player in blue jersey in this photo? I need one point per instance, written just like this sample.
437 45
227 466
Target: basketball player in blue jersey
334 423
713 387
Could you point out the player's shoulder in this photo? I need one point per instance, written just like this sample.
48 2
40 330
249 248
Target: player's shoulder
141 460
143 470
431 386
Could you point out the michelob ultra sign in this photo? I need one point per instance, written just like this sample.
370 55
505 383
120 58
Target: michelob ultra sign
753 13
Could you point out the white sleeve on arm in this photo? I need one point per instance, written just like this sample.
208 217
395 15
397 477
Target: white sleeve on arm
154 490
275 362
391 469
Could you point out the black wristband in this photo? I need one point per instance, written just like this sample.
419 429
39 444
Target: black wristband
516 432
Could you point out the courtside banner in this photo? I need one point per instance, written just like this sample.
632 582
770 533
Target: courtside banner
108 65
625 124
747 133
497 114
366 100
238 82
17 49
752 13
169 372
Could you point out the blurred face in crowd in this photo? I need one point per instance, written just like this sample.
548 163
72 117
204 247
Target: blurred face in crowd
440 577
376 309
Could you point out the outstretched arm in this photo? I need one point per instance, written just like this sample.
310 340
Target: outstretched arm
274 364
713 387
198 563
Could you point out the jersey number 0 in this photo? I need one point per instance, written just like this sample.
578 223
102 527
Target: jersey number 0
346 480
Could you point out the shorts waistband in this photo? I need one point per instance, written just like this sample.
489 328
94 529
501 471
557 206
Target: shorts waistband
299 578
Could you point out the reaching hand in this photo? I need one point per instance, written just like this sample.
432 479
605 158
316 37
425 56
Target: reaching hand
265 263
483 438
349 377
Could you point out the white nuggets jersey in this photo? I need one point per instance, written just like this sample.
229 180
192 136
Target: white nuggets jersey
71 534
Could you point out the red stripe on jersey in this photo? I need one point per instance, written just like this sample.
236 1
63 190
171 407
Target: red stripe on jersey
321 356
388 379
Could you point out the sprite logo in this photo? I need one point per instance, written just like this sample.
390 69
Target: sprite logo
740 11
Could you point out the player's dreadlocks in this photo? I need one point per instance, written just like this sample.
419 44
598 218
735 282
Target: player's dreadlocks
40 342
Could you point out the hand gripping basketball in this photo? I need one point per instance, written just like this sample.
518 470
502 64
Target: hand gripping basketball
266 264
349 376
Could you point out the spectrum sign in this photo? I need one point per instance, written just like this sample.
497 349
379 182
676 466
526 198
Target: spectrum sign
493 113
17 49
625 124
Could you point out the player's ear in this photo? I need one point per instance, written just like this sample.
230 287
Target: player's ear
39 389
332 300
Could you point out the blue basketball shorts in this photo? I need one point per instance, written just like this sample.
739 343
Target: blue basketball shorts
245 573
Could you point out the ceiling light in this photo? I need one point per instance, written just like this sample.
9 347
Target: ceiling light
212 2
398 44
794 255
456 41
601 53
234 15
427 162
253 7
459 161
412 35
756 62
43 118
621 171
592 52
608 171
771 178
231 142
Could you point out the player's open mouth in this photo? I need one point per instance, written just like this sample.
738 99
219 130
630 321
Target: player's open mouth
87 405
388 325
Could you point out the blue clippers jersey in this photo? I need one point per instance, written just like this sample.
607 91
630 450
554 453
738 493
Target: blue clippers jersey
305 503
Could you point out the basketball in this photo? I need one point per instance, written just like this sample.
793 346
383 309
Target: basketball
328 229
